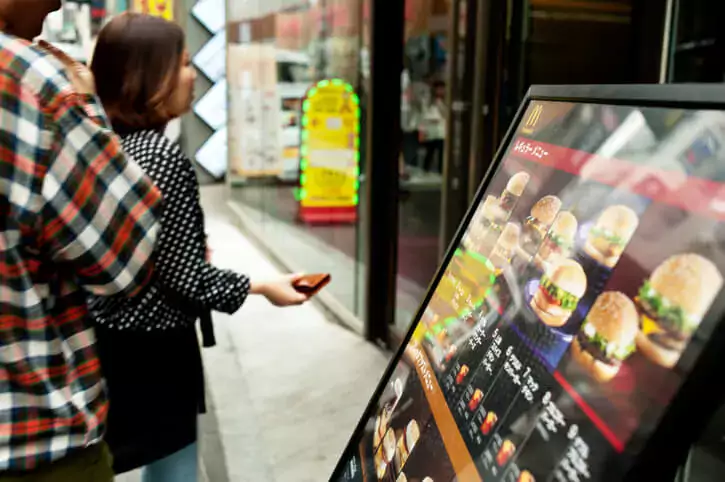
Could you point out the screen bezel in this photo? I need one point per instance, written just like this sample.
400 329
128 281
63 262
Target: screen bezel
697 400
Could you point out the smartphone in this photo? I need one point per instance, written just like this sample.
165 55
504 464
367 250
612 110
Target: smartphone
311 284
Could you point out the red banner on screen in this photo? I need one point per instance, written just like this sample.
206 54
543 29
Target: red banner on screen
675 188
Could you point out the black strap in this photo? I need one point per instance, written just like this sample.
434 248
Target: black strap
207 329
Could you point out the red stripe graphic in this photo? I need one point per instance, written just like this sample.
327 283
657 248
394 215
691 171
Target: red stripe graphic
672 187
589 412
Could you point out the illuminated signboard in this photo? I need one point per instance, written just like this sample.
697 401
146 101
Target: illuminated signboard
579 303
157 8
330 153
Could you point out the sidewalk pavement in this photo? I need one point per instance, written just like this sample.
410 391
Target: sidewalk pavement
286 386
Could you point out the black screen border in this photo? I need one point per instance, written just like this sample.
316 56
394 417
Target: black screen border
700 395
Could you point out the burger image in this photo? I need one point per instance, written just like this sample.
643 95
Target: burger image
557 242
493 215
475 400
505 452
542 216
489 422
381 424
505 247
514 189
526 476
452 350
607 239
488 218
406 444
381 466
607 337
389 444
412 435
672 304
559 293
461 375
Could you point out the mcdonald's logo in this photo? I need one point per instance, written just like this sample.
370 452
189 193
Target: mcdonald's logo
533 119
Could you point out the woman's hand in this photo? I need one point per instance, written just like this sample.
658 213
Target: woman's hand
80 76
280 292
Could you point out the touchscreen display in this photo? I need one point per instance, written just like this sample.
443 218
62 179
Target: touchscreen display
572 310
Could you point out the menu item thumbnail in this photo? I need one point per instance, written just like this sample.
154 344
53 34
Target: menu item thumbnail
558 241
507 450
672 304
559 292
611 233
505 247
514 189
542 216
607 337
493 215
461 375
475 400
526 476
488 423
381 426
406 444
389 445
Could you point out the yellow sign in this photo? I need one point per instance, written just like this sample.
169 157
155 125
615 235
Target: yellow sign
157 8
329 165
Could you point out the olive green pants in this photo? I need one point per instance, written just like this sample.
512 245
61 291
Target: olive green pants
93 464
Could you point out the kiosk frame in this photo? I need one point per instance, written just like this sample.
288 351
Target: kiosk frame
701 394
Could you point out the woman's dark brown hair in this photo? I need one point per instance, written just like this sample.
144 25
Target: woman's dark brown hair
136 64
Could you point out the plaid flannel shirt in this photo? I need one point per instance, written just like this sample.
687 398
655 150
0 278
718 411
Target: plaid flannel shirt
77 217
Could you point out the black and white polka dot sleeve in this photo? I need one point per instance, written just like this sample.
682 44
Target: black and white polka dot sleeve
181 264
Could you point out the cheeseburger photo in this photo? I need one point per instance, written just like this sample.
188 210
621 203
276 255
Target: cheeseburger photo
514 189
505 247
607 239
559 293
542 216
607 337
672 303
558 241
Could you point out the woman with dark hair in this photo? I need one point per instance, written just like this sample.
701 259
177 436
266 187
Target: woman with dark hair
148 345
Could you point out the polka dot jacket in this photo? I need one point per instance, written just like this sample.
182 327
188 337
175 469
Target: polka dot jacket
185 284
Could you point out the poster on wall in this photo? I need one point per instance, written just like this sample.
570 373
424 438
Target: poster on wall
329 160
157 8
255 147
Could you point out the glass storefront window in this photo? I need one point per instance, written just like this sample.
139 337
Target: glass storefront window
423 131
275 55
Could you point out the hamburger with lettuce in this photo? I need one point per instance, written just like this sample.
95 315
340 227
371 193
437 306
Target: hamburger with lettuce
672 304
558 241
607 337
607 239
559 293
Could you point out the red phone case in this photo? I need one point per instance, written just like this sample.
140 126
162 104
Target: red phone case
312 284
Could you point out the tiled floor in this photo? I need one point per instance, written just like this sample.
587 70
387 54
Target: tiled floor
287 386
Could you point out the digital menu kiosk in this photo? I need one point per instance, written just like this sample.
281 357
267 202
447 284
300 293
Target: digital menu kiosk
573 332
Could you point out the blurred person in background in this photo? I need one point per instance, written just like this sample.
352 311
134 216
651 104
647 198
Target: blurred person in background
77 216
433 128
410 117
148 346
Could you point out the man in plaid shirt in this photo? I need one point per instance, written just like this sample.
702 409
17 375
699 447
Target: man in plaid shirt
77 217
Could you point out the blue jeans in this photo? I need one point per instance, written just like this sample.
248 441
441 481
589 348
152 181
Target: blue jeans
182 466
